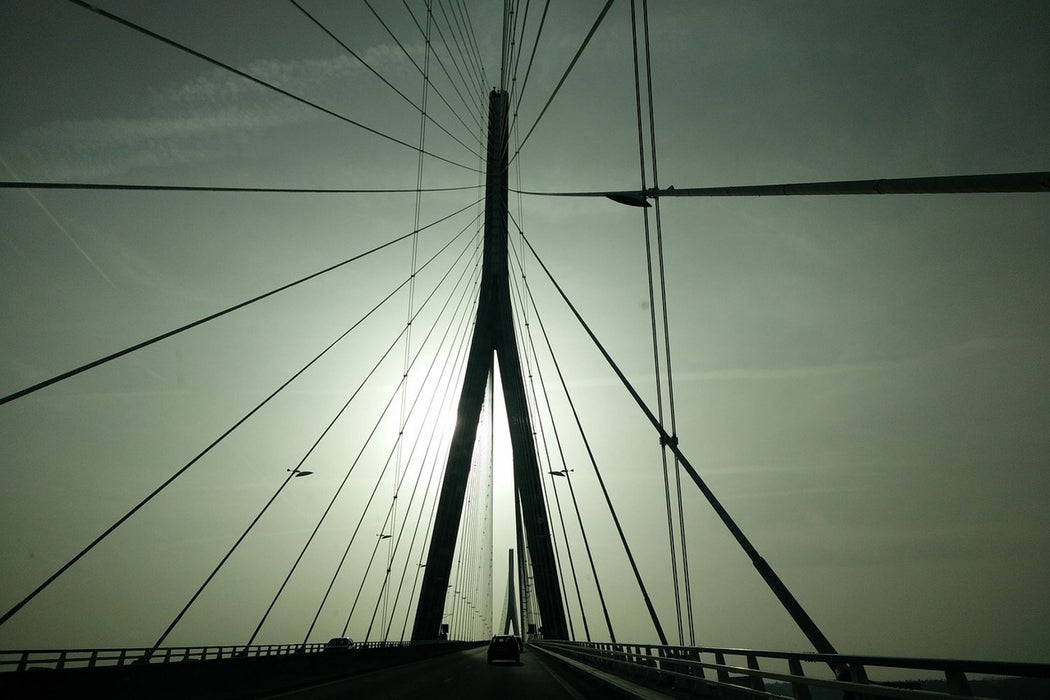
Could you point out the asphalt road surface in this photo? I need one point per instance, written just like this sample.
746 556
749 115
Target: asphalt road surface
459 676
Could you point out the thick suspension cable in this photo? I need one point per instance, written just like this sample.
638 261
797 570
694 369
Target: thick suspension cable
790 603
616 520
252 78
193 324
601 482
36 185
658 377
1038 181
683 538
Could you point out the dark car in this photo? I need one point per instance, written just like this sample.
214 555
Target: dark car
504 648
339 644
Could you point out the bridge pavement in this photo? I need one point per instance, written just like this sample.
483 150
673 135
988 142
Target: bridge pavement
466 675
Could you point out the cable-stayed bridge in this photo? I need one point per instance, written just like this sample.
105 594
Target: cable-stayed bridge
363 491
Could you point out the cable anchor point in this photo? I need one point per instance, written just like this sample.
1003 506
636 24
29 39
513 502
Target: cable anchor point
668 440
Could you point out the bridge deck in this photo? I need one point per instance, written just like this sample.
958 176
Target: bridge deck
466 676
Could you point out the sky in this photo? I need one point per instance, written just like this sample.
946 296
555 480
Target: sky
862 381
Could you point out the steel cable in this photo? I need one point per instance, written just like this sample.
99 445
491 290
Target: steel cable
406 98
258 81
330 425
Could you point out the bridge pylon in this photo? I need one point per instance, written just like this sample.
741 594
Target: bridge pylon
511 615
493 340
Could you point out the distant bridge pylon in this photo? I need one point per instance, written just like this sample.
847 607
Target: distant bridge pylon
511 618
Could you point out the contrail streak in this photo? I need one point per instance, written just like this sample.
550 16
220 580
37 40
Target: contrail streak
60 227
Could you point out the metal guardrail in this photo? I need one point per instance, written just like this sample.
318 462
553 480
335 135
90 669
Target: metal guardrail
58 659
739 673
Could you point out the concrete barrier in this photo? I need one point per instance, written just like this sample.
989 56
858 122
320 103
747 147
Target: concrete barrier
227 679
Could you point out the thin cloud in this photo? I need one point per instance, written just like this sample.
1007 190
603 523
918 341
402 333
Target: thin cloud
101 148
745 374
772 373
191 122
971 346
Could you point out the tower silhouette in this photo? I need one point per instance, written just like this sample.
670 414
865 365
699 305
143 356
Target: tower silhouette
493 339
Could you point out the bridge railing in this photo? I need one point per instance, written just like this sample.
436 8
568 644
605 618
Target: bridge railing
772 674
23 660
